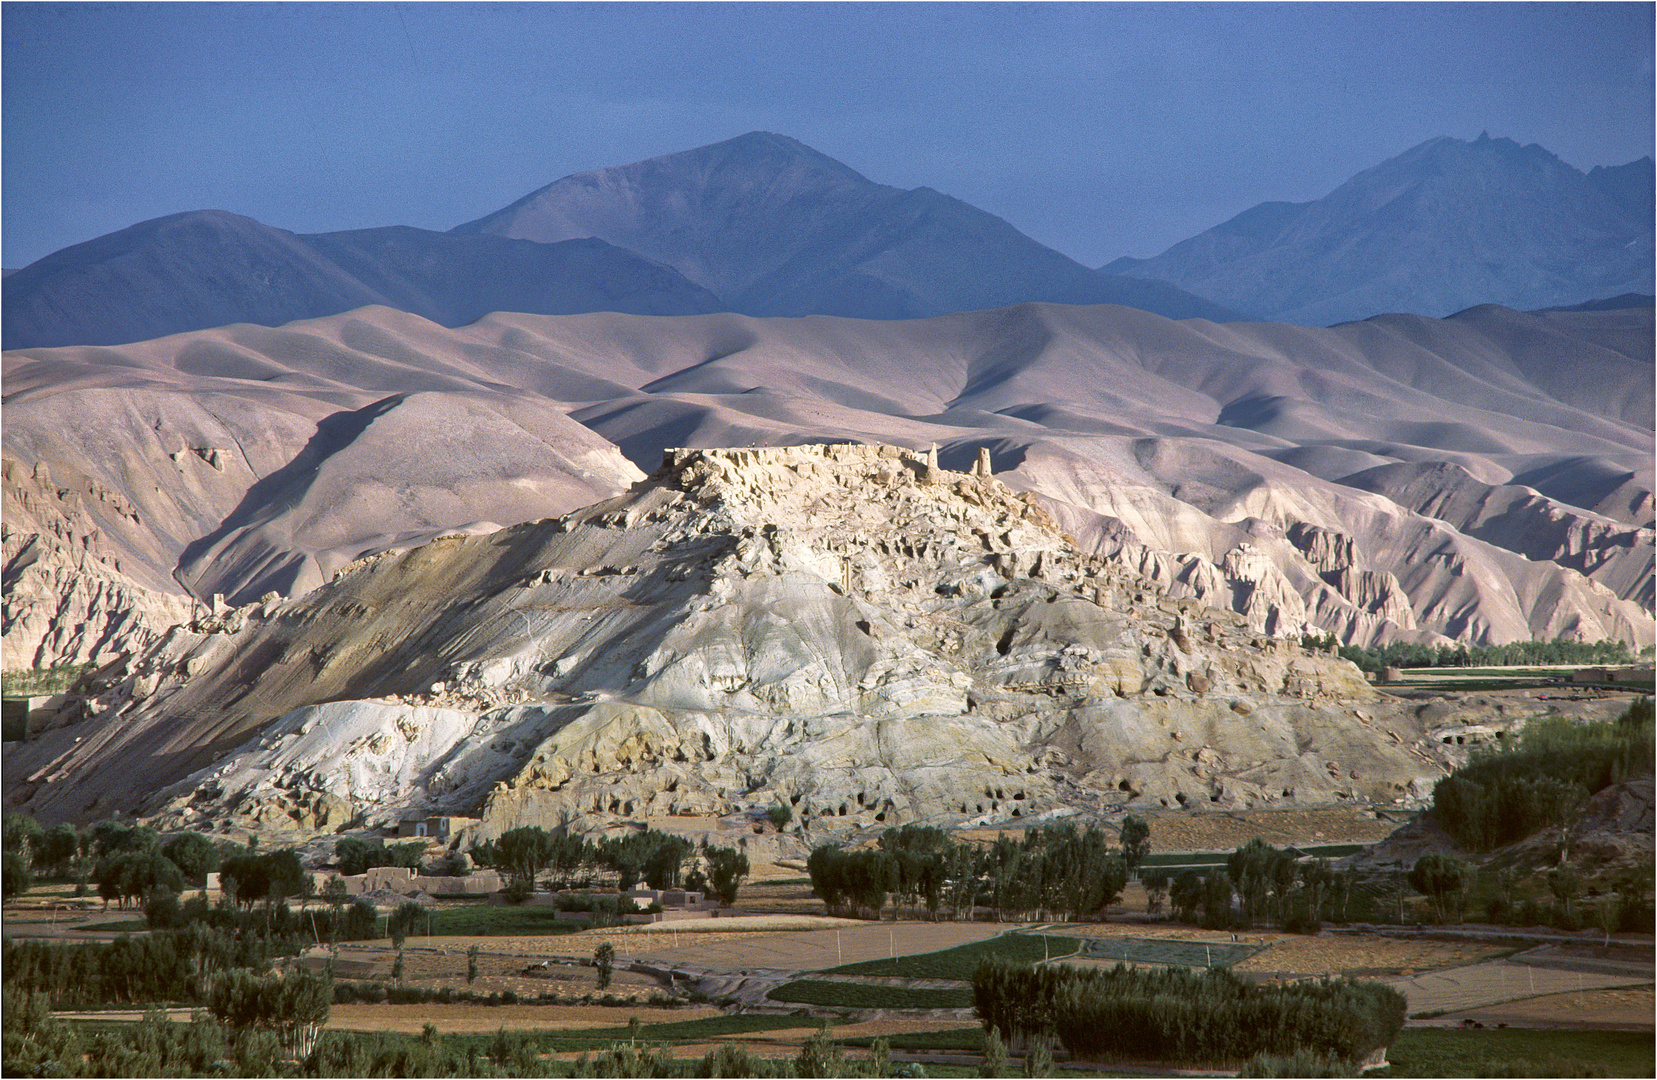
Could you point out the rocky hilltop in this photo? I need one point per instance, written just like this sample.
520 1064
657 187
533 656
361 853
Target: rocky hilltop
850 629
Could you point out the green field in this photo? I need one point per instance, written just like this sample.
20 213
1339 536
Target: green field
681 1031
1519 1052
1192 954
955 1040
1164 860
494 920
961 961
116 926
858 996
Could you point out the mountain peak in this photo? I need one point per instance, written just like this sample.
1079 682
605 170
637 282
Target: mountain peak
1429 231
774 227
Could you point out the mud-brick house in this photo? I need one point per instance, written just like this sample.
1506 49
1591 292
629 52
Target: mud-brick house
437 828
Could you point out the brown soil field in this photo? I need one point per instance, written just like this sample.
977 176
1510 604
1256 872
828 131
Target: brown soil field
807 950
1496 981
1367 955
409 1019
784 899
498 970
441 961
1629 1009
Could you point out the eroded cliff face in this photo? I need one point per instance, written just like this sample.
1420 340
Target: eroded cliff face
850 629
67 598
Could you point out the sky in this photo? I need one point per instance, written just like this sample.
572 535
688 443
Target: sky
1099 129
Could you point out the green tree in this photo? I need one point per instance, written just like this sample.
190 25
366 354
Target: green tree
20 833
1445 880
1039 1061
357 856
162 911
194 855
14 874
404 919
1136 841
127 875
1565 882
58 846
996 1062
109 837
604 959
471 965
780 815
820 1056
520 853
1185 895
727 867
293 1006
1156 890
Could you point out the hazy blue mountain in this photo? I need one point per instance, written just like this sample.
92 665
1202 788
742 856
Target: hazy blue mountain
776 228
1610 303
1442 227
209 268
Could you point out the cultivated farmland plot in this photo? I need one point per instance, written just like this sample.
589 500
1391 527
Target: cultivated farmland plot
1500 980
1192 954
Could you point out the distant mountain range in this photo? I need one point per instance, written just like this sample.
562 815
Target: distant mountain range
763 225
1444 226
776 228
209 268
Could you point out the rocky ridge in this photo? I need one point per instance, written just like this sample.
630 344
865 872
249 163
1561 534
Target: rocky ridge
67 599
851 629
1484 478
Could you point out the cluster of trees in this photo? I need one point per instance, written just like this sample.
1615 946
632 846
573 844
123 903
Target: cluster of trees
126 862
251 878
1183 1017
1510 791
128 970
661 860
1260 884
208 1045
293 1006
1558 652
1057 870
252 1025
355 856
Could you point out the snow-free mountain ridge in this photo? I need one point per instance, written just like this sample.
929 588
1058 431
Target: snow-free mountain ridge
777 228
1444 226
208 268
1486 477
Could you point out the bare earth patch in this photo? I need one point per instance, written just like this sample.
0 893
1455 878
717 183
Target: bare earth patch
806 950
1496 981
1626 1009
462 1019
1295 954
1366 954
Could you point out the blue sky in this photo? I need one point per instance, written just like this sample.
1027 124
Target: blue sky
1100 129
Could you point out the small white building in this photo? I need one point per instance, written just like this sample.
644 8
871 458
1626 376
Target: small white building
437 828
